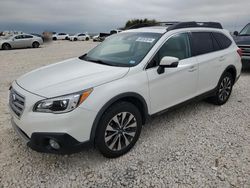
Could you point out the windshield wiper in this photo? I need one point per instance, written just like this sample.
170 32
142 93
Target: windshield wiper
84 57
99 61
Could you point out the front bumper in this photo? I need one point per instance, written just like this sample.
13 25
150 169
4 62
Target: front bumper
39 141
72 130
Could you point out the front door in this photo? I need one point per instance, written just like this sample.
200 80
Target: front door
175 85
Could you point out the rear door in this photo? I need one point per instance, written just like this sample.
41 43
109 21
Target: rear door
207 52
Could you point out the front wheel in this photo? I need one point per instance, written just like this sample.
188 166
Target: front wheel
6 46
118 129
224 89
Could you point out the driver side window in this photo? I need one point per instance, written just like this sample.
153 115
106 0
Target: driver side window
18 37
176 46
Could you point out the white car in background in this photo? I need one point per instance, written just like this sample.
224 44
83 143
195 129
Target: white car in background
20 41
79 36
60 36
95 38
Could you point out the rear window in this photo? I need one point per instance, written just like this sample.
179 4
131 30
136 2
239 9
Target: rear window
223 40
202 43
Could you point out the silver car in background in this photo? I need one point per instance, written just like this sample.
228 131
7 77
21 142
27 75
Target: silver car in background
20 41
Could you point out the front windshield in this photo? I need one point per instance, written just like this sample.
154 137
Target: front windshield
124 49
245 30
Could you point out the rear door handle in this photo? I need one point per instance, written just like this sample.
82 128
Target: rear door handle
192 68
222 58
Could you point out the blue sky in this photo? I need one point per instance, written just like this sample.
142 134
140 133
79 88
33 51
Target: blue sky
100 16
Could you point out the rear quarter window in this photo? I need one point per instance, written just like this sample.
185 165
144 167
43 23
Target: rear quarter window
223 40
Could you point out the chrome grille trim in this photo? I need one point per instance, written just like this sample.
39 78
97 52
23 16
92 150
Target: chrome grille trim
245 50
16 102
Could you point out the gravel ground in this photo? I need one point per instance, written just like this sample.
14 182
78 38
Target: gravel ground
199 145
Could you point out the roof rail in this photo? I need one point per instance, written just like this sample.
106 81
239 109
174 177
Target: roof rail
181 25
140 25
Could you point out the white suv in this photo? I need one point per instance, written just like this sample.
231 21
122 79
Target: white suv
105 96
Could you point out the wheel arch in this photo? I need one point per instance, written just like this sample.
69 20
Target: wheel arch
131 97
6 43
36 41
232 70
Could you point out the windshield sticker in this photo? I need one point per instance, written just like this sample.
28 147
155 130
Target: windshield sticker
142 39
131 62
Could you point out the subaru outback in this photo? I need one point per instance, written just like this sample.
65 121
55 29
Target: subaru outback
104 97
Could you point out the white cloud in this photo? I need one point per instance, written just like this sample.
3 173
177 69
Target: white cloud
96 15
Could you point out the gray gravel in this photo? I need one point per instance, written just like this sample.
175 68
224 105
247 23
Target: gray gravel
199 145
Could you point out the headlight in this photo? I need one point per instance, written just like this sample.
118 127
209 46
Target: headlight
62 104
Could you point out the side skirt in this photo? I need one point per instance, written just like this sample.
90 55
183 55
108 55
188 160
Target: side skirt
195 99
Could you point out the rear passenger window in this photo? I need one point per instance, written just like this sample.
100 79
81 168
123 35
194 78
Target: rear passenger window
202 43
223 40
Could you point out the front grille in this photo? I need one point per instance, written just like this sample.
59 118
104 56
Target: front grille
16 102
245 50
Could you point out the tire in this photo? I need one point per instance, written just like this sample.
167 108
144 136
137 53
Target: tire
224 89
35 44
6 46
75 39
87 38
118 130
54 38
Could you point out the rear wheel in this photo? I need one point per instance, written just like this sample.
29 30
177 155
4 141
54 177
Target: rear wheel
35 44
87 38
118 129
6 46
75 39
54 38
224 89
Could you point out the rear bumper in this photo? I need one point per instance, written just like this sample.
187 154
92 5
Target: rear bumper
39 141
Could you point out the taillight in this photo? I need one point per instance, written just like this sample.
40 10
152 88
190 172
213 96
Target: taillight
239 52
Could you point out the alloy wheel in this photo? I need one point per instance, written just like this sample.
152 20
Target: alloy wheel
120 131
225 89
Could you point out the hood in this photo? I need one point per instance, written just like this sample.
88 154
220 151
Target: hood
69 76
242 40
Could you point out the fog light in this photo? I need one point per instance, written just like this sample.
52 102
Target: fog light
54 144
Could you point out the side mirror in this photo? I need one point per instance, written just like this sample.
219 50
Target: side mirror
167 62
236 33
